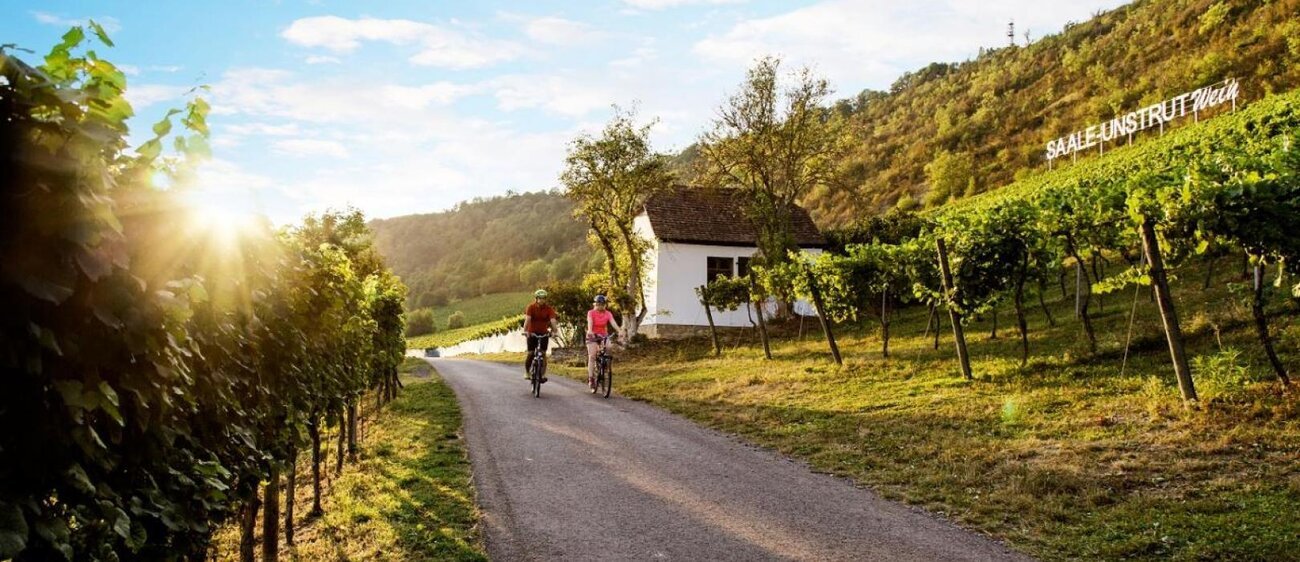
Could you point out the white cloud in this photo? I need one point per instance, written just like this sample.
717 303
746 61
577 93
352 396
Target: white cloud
560 31
321 59
169 68
310 147
437 45
109 23
265 129
145 95
870 43
560 94
280 94
661 4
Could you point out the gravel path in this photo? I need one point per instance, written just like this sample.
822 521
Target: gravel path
570 476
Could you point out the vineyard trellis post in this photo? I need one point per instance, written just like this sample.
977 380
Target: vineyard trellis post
1168 315
954 315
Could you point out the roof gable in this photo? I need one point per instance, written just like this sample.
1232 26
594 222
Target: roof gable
695 215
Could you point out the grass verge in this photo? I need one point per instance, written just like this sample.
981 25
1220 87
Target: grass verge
409 497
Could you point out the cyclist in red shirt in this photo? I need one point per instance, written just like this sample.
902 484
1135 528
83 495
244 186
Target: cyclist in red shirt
598 322
539 319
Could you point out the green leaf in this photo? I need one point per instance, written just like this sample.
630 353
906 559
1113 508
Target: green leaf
71 39
80 480
13 531
122 524
100 33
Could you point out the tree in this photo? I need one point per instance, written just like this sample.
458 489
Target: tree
610 178
950 176
776 143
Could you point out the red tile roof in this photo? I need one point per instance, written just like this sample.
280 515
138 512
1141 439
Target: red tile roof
696 215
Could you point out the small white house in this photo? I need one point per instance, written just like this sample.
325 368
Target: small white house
696 234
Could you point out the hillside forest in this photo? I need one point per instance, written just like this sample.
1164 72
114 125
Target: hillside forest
491 245
950 130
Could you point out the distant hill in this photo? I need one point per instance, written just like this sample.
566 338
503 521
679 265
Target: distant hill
988 118
500 244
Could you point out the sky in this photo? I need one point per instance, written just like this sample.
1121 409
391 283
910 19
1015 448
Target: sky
411 106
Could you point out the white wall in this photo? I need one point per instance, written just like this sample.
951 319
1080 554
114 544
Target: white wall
677 270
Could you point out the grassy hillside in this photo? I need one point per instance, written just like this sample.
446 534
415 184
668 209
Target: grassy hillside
996 112
484 309
1071 457
485 246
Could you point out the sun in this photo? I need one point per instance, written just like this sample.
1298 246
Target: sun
224 214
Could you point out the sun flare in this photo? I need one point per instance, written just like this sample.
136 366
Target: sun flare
224 214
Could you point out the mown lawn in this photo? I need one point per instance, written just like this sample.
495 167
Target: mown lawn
408 498
1065 458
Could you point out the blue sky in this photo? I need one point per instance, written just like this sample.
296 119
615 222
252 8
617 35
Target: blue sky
401 107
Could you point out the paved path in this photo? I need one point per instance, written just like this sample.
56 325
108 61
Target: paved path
570 476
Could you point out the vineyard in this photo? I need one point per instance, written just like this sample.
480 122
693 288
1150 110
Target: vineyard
162 372
1229 185
468 333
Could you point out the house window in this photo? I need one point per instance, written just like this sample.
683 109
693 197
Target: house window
718 266
742 267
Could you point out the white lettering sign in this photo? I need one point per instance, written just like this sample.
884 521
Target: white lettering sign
1173 108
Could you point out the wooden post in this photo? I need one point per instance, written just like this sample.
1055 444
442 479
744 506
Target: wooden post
271 517
954 316
1168 315
248 528
821 315
713 330
291 486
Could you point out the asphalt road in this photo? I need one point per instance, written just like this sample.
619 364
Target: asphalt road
570 476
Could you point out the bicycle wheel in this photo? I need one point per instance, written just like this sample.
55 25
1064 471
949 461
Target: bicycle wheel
537 379
607 377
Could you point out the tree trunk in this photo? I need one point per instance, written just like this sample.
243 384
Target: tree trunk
343 434
1060 276
884 324
1084 294
611 257
271 517
352 430
632 318
708 313
938 321
1020 313
929 323
1042 288
290 490
313 430
248 529
762 330
1168 315
821 315
1096 274
1261 325
994 334
954 316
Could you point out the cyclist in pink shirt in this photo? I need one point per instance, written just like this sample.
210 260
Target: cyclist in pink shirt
598 322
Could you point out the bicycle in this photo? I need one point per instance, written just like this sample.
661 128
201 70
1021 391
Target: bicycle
604 367
537 367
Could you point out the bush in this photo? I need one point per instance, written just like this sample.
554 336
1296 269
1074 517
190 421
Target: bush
419 323
456 320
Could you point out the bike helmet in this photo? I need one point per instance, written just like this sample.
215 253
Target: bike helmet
540 293
600 299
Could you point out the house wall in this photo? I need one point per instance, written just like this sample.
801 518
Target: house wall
676 271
